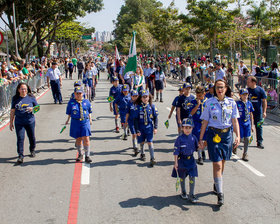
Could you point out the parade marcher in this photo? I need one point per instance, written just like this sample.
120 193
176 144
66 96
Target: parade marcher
77 84
74 61
146 124
89 79
210 93
175 105
220 115
220 73
185 165
130 119
80 66
184 103
115 90
151 77
94 70
197 107
79 110
66 67
121 72
257 96
138 80
159 82
71 69
54 78
245 120
23 119
121 107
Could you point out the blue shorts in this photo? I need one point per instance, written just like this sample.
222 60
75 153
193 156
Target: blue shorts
186 167
131 127
222 150
146 135
196 132
122 116
114 108
245 130
79 129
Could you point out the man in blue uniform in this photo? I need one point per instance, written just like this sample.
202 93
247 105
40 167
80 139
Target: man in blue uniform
54 78
257 97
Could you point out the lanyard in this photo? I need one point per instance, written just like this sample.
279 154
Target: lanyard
81 110
222 103
247 114
145 113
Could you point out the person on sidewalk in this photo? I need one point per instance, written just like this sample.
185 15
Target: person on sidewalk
257 96
159 82
79 111
54 78
23 119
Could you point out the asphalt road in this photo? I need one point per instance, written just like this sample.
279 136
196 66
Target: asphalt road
119 188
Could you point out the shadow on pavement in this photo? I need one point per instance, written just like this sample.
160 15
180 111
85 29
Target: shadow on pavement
113 163
104 117
159 203
56 140
48 162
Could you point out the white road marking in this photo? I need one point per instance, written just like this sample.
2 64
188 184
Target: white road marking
258 173
168 108
85 174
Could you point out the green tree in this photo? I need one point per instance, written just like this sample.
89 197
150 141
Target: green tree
167 27
38 20
132 12
210 18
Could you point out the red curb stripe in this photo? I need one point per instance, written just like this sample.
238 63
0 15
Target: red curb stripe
75 194
36 99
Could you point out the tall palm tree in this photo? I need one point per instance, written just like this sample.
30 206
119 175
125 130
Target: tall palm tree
258 17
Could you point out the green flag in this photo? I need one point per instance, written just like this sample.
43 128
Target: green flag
132 57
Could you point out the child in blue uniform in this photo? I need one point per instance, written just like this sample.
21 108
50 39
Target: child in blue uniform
210 92
130 119
197 107
174 105
79 110
185 165
77 84
114 92
146 124
121 106
245 120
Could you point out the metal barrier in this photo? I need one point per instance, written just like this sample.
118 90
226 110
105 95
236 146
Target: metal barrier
8 91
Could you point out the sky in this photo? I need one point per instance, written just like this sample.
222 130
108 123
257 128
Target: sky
103 20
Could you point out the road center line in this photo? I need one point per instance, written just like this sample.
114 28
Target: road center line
258 173
85 174
168 108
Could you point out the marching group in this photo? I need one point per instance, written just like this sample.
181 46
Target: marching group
205 121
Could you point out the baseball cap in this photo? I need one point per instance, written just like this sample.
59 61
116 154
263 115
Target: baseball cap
145 93
77 83
187 122
79 89
134 93
180 88
211 85
125 88
187 85
243 91
115 78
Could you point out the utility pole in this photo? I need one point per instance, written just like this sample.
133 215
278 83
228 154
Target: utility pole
15 30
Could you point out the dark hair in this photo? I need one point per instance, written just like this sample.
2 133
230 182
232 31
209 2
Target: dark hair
228 92
200 89
139 99
274 65
29 92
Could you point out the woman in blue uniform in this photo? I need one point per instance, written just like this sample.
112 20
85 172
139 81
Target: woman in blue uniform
185 165
89 80
138 80
121 106
197 107
246 110
220 115
79 110
23 119
130 119
159 82
146 124
114 92
174 106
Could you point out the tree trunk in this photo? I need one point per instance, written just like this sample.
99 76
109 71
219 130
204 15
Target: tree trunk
40 46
